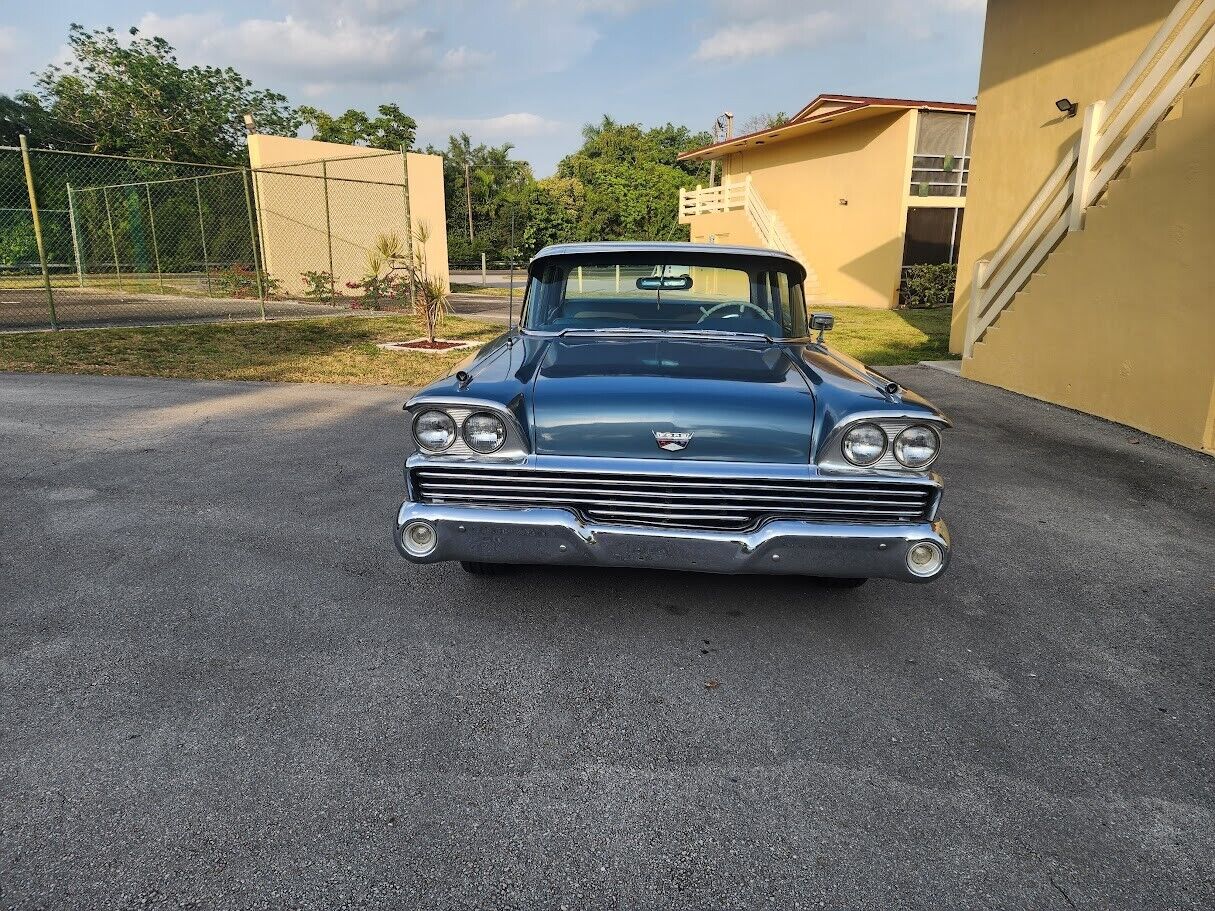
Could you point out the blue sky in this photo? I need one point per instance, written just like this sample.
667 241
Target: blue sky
532 72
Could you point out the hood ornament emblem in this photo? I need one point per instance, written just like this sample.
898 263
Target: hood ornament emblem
672 442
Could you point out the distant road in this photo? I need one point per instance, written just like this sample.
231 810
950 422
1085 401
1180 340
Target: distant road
490 309
495 278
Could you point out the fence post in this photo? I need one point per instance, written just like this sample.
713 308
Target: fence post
978 277
328 226
160 279
257 265
413 294
29 189
484 279
202 235
75 234
109 218
1084 165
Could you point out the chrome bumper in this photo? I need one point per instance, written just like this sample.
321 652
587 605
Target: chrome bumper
556 536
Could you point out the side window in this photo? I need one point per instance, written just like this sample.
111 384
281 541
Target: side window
774 294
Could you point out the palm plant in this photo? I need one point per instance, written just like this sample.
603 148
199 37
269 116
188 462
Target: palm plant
400 265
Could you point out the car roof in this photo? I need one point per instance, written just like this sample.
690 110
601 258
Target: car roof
678 248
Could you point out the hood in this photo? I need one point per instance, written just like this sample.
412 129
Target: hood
740 401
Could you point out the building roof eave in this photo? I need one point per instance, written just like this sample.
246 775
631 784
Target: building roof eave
818 114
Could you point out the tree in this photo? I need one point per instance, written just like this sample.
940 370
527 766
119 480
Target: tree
134 98
391 130
554 211
631 180
23 115
757 122
499 188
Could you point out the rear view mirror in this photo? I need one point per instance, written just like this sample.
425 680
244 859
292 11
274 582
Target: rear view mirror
664 283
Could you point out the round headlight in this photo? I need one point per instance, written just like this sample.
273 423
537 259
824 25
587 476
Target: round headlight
917 446
434 430
864 444
484 432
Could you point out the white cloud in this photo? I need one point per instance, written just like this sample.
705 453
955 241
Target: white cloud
754 28
769 36
461 59
354 47
10 41
588 7
372 12
504 126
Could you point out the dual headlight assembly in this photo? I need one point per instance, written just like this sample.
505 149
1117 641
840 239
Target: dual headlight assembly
915 447
482 431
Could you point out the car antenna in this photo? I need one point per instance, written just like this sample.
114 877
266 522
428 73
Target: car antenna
510 312
510 318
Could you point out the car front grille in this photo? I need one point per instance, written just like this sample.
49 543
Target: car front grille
676 501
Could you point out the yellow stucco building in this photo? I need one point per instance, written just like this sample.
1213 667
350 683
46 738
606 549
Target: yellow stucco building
1087 269
856 188
323 202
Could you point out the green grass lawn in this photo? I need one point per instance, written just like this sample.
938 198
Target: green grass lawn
343 349
881 337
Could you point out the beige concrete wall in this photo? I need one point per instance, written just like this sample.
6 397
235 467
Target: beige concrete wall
1120 322
365 199
1034 52
856 249
724 228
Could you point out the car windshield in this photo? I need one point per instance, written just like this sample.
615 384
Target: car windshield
736 294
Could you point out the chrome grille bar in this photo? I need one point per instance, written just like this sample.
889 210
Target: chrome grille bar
526 475
676 501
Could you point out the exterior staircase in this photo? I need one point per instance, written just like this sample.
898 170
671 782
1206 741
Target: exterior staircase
1081 258
1126 126
1106 301
770 230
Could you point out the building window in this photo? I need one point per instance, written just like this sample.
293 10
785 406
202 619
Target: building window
941 163
933 235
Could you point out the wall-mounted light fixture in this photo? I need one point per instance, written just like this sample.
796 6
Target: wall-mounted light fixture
250 126
1066 106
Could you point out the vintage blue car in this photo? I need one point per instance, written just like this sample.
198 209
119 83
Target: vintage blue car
673 406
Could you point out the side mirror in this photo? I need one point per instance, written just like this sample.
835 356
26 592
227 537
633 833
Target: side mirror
822 322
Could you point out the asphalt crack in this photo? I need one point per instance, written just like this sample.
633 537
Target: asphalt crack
1067 898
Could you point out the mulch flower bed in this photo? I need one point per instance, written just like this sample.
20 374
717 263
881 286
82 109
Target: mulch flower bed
426 346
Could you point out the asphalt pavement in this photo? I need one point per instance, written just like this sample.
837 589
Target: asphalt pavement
220 687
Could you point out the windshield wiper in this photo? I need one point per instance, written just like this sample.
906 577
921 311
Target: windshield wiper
611 330
723 333
635 330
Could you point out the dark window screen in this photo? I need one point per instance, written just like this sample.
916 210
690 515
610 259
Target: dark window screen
932 235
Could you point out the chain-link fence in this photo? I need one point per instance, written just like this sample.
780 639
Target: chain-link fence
134 242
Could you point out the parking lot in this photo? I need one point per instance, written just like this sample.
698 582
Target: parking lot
222 688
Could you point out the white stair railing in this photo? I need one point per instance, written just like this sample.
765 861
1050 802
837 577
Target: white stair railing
735 195
1112 131
768 226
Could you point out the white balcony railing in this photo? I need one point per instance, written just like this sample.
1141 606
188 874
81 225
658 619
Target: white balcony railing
1112 131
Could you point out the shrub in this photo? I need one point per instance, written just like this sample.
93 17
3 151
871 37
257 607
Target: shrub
238 280
928 285
318 286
